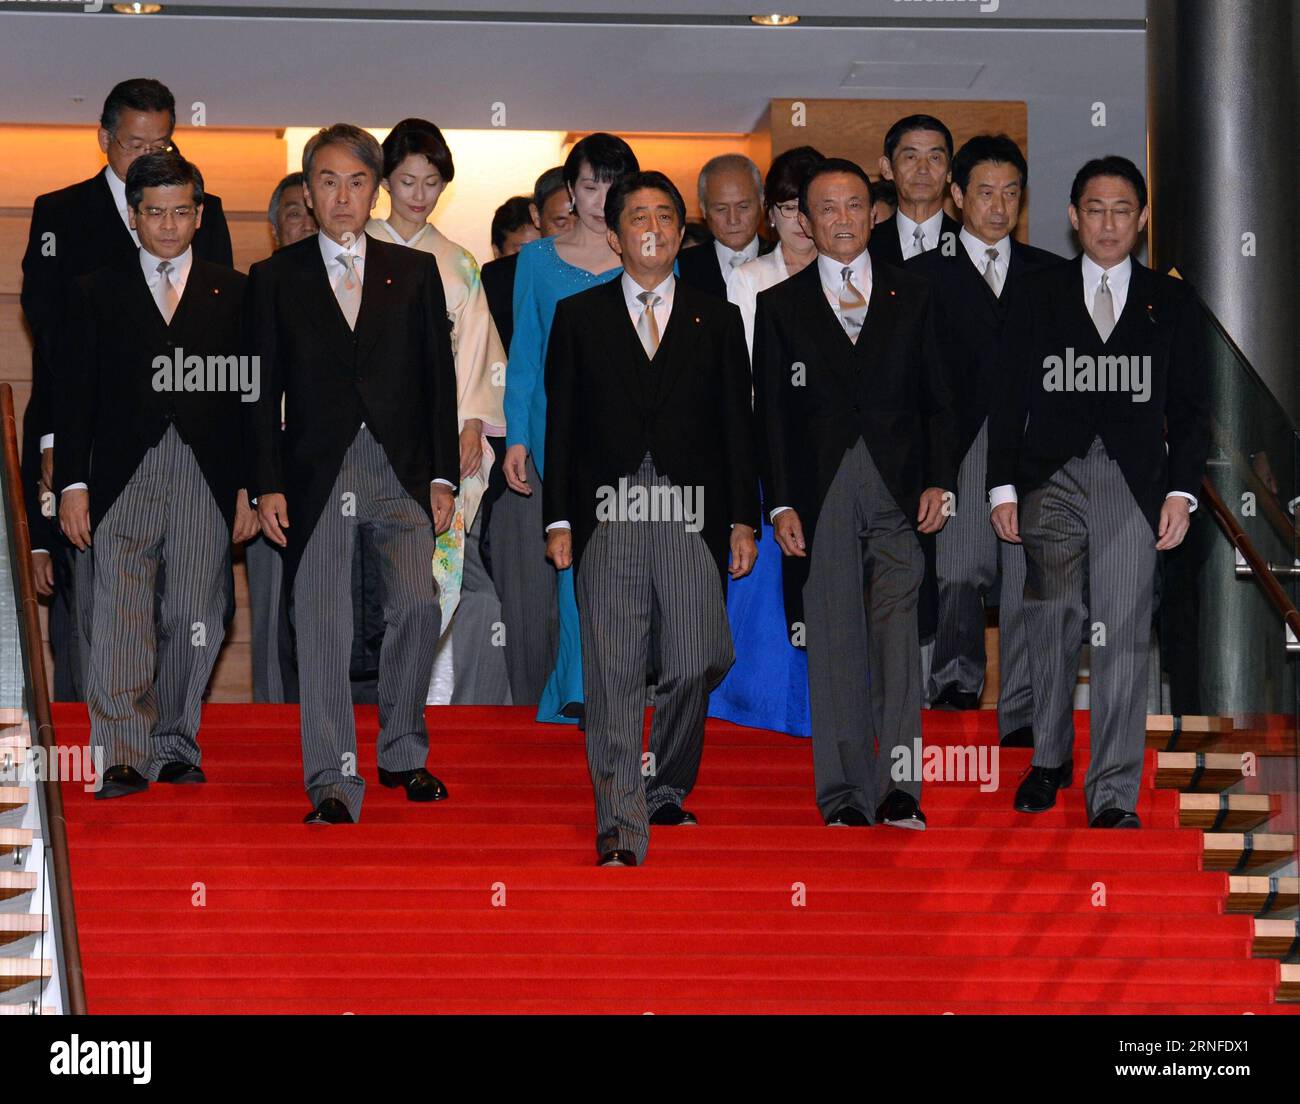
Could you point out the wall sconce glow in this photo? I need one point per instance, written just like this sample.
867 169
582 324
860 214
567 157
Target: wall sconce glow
137 9
774 20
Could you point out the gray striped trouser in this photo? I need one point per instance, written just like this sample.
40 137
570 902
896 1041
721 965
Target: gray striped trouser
1084 524
366 492
628 566
525 581
864 659
478 657
968 558
150 658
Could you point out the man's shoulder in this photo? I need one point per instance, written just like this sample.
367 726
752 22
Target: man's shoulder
502 269
69 197
219 276
707 308
1035 258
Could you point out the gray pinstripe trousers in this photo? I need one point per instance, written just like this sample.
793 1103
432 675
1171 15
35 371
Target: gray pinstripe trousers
968 559
150 659
864 659
525 581
628 566
366 492
1085 524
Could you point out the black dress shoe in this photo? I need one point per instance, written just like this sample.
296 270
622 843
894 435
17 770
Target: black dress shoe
672 814
180 771
848 817
419 784
616 857
900 810
952 698
1037 793
1021 737
121 780
1116 818
329 811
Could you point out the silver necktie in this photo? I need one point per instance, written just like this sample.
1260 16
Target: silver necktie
853 307
348 289
647 328
918 240
166 295
1103 309
991 271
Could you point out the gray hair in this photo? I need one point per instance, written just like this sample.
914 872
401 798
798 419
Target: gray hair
361 144
294 179
736 162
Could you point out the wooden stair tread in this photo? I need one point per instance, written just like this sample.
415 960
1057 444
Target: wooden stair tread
1176 769
1243 811
1274 938
1250 892
22 971
1223 850
1289 989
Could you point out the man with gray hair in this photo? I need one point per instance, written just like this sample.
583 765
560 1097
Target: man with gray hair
369 443
290 218
731 200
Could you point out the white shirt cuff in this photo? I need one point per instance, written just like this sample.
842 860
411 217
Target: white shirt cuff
445 483
46 551
777 510
74 487
47 441
1184 494
558 525
1000 496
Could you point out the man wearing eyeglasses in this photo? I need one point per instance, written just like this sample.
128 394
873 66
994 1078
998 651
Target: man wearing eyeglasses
75 231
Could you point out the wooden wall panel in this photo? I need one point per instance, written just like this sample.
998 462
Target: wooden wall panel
856 128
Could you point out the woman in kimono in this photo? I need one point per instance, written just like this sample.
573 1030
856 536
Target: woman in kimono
417 168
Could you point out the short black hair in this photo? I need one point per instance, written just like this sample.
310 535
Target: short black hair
786 173
884 191
161 170
136 94
826 168
915 122
418 136
997 148
508 218
550 182
609 156
616 199
1111 165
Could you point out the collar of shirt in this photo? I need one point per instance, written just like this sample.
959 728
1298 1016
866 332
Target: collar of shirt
906 228
180 269
830 270
1117 280
330 249
392 233
635 308
725 254
978 251
117 188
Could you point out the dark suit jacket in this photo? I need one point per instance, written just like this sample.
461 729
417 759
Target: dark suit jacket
76 231
607 405
1033 431
109 412
889 389
499 286
970 321
884 245
698 266
394 372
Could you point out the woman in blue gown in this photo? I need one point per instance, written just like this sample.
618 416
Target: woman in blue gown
547 271
767 687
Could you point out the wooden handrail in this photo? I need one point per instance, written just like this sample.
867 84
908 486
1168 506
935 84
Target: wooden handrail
30 624
1273 590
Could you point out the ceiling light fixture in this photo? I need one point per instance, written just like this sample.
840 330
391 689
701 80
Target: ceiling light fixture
774 20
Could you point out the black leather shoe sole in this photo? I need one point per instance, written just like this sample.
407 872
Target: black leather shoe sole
329 811
419 787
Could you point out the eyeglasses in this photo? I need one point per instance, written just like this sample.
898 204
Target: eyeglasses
162 146
1096 214
156 214
789 209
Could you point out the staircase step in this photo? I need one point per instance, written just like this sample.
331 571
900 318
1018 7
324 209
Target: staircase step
1227 812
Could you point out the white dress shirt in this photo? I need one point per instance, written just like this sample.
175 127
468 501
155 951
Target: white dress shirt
725 255
831 272
1117 280
635 308
118 188
978 251
752 277
906 228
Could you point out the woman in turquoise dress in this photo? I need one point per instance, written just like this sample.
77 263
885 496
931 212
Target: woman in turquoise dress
549 270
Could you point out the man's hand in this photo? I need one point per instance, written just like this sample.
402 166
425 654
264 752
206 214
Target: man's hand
930 515
273 513
74 517
744 551
789 533
47 469
471 447
516 469
559 548
444 507
1175 517
1005 520
43 573
246 524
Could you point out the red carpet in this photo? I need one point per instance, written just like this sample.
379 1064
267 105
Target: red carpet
489 902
